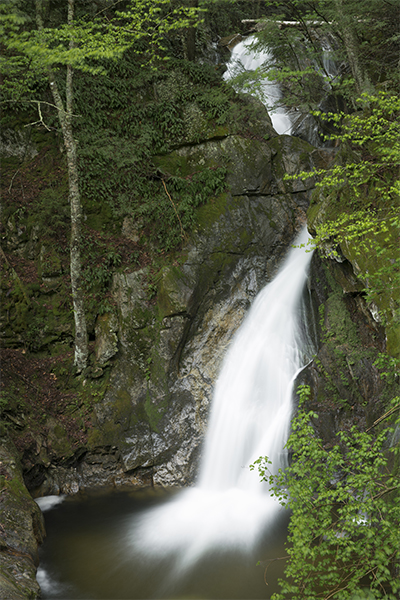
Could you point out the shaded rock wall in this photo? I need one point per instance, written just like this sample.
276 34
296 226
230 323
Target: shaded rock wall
21 531
349 383
156 411
166 354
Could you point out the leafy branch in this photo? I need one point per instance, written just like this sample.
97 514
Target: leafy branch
345 521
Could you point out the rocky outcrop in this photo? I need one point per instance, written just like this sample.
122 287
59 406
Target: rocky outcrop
165 353
21 531
351 378
156 406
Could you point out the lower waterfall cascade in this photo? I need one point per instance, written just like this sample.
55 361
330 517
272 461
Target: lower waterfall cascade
229 512
250 416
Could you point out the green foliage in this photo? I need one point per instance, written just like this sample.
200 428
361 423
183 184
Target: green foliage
295 32
374 130
358 210
129 116
171 212
100 260
389 368
87 44
344 533
51 212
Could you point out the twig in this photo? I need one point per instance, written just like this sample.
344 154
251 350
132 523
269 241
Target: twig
108 7
40 122
269 561
34 102
12 181
387 414
176 212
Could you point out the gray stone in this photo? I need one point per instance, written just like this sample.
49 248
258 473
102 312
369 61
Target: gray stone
17 143
21 532
106 329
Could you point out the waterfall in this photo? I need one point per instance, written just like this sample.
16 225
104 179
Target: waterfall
252 399
245 59
229 508
293 122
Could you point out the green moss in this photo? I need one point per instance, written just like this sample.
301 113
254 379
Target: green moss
210 213
16 486
49 263
340 328
393 340
99 216
59 441
155 410
110 433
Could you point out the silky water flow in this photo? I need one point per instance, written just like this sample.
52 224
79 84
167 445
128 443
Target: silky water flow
250 417
177 548
243 59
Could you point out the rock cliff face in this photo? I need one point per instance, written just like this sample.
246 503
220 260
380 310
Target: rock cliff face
167 355
354 375
22 529
164 344
346 379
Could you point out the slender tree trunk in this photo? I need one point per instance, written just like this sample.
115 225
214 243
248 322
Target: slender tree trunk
362 82
65 118
190 40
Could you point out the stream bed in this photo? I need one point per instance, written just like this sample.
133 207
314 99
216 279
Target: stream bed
89 553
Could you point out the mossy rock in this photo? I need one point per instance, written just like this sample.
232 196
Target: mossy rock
58 439
175 289
106 337
22 531
49 263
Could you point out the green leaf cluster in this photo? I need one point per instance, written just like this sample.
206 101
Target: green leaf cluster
344 532
83 43
355 210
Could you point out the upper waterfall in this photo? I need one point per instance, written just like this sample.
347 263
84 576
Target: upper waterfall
245 59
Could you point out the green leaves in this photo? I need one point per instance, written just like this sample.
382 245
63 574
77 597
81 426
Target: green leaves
356 205
87 43
344 531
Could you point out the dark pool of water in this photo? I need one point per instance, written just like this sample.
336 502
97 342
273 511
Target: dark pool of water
88 555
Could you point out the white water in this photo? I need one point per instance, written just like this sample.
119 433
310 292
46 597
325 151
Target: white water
229 508
245 59
46 503
203 542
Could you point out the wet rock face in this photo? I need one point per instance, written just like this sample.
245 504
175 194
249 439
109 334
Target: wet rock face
157 404
21 531
345 379
17 143
101 468
166 341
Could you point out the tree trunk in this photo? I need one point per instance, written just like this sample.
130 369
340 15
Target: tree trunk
65 118
349 38
190 40
191 43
